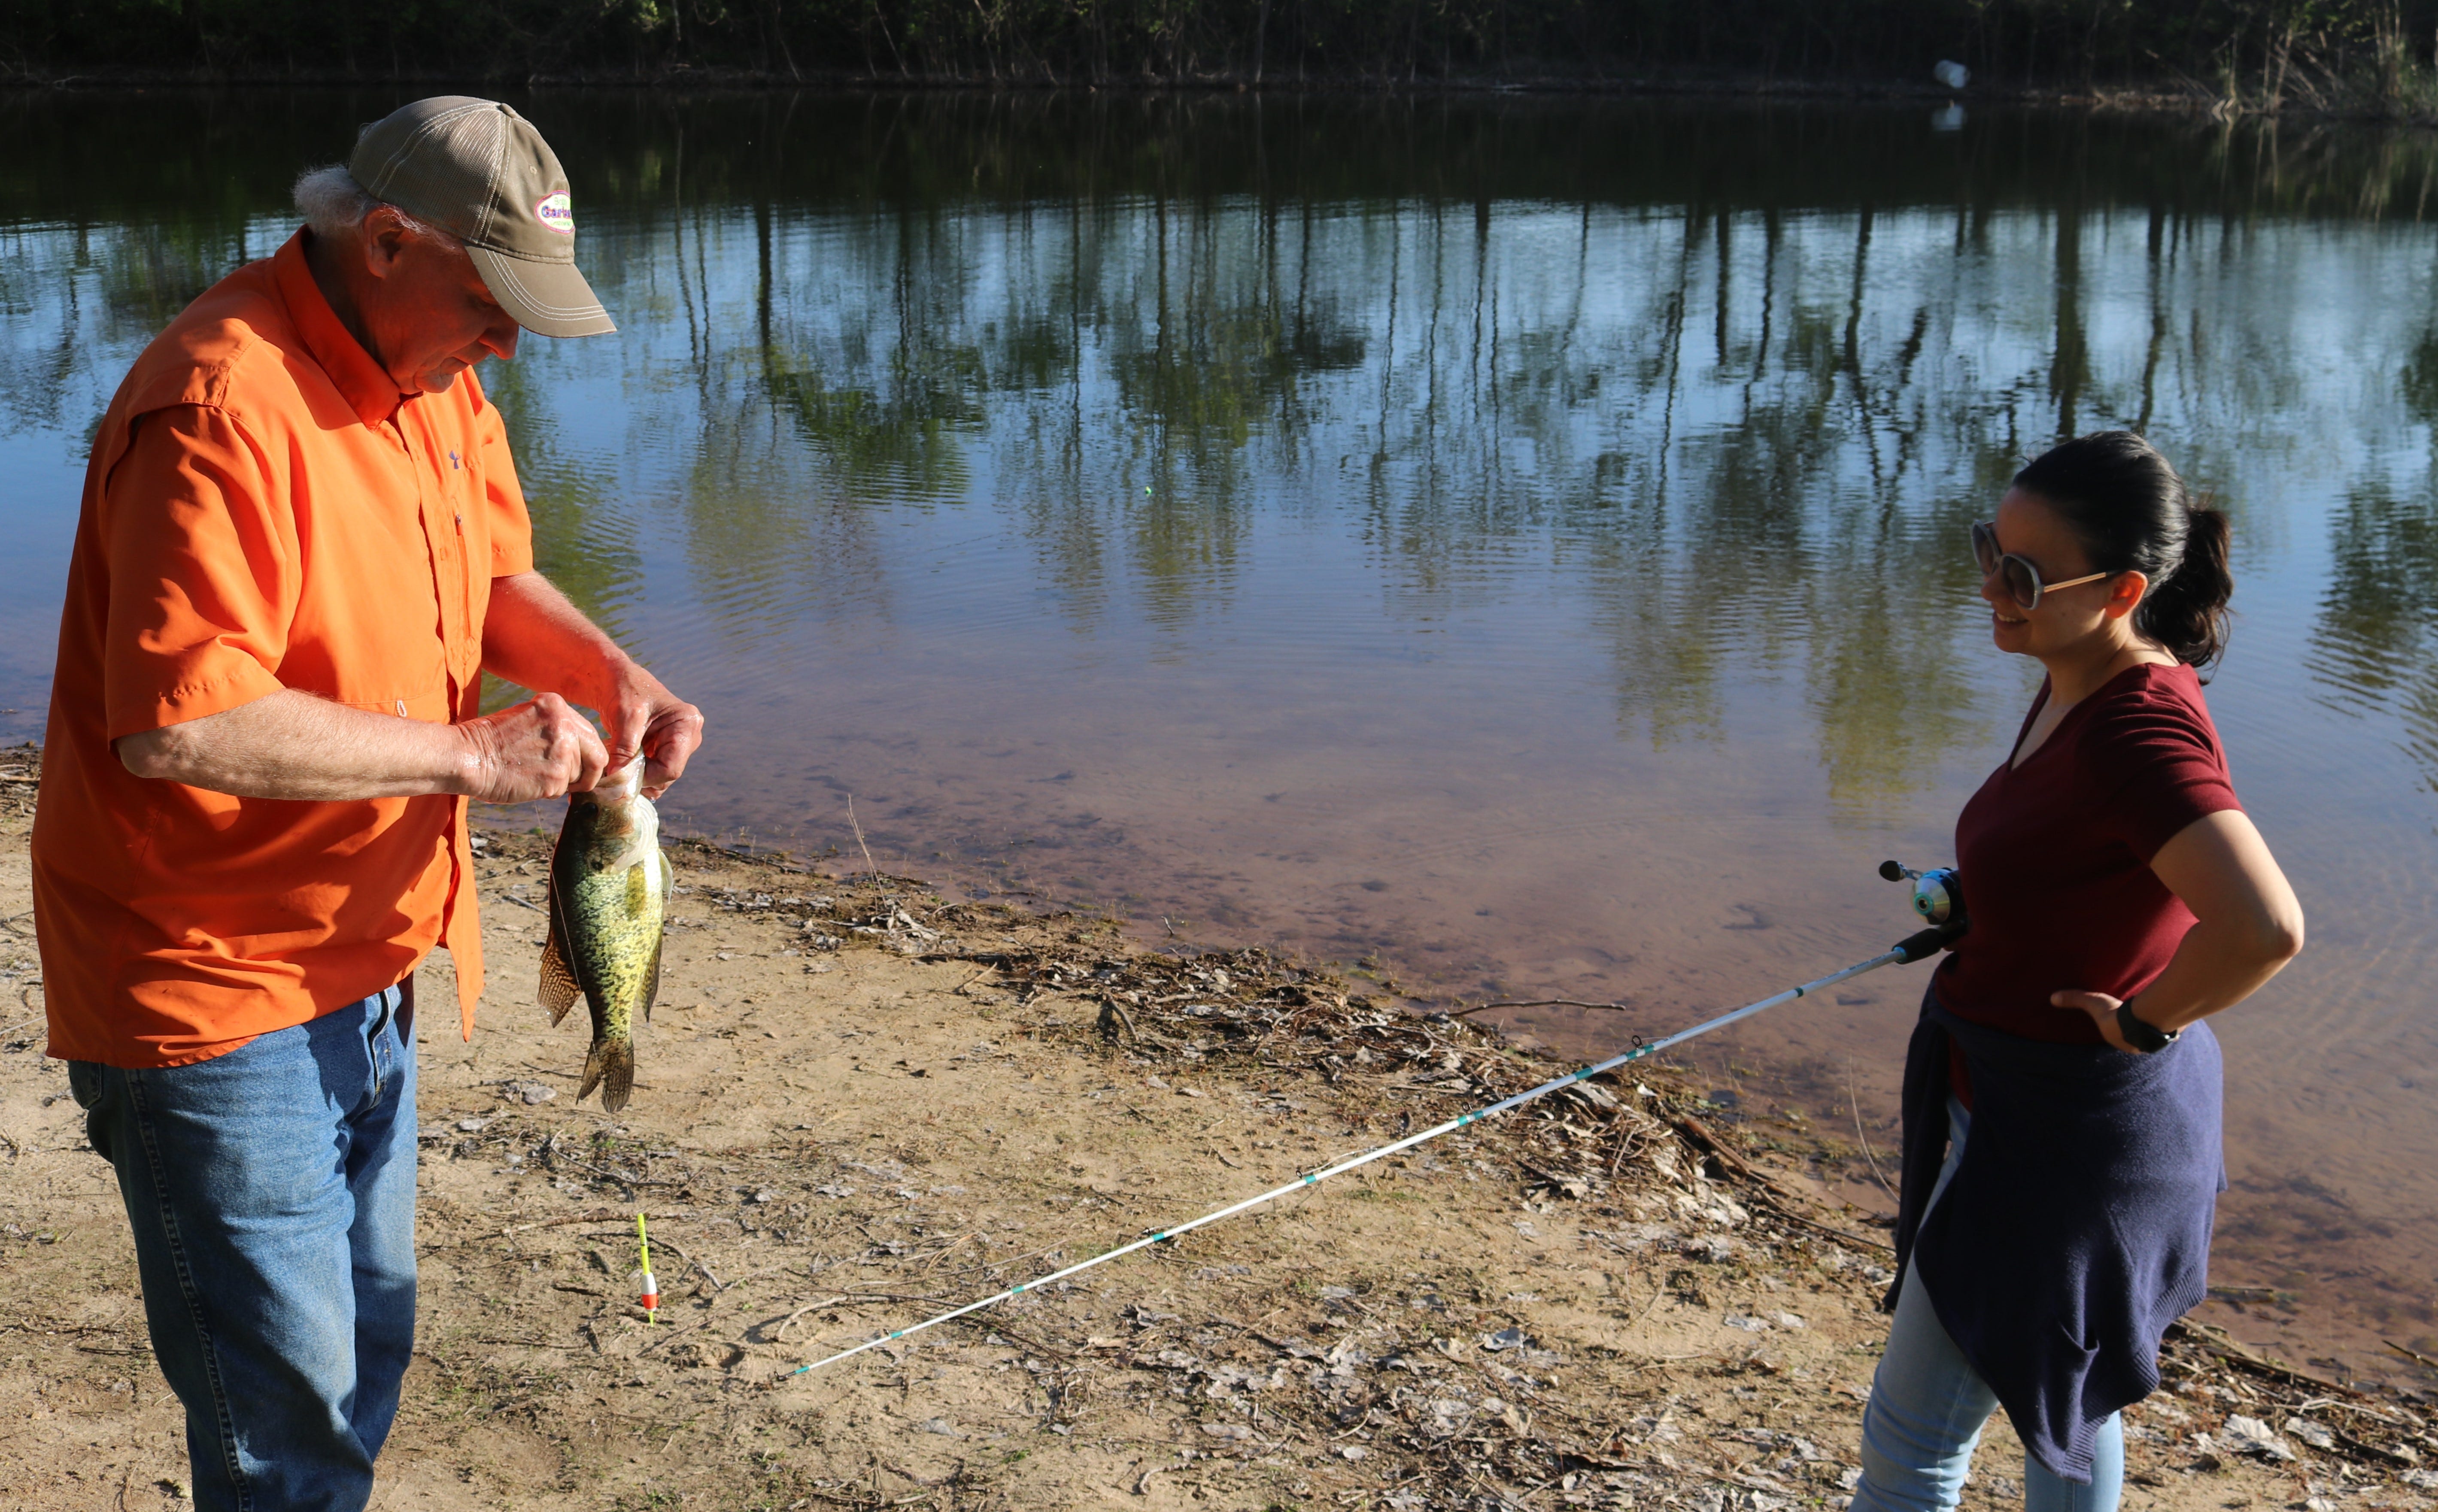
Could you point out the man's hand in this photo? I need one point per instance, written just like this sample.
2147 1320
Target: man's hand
291 745
646 719
532 635
541 748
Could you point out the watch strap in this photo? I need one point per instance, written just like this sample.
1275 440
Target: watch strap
2145 1037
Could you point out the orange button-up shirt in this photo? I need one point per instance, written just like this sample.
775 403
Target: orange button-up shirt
261 512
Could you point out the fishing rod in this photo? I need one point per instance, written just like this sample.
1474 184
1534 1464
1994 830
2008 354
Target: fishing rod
1938 897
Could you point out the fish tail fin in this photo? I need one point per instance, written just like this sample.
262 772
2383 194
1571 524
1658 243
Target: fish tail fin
611 1067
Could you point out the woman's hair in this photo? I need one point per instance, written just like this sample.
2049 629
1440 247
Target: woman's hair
2132 514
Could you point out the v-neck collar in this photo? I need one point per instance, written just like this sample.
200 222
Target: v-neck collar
2017 758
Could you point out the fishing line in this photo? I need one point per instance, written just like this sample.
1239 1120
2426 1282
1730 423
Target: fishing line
1949 924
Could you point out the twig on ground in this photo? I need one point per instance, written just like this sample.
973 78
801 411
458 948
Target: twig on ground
2235 1352
780 1331
1840 1234
670 1217
950 1248
2415 1356
869 864
987 968
1772 1196
1538 1002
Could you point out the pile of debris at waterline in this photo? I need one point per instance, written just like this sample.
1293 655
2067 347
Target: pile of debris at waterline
1420 1391
21 777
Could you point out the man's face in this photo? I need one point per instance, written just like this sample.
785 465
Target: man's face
428 312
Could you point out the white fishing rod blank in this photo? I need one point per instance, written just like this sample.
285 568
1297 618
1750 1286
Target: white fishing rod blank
1913 947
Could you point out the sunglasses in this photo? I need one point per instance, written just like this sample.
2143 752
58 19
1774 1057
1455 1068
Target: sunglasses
2016 575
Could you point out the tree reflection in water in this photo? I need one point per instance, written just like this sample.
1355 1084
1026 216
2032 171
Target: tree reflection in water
1737 376
1484 510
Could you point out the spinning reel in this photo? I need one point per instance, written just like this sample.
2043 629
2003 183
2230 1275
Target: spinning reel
1937 894
1938 897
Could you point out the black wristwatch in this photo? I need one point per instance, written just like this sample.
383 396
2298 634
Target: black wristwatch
2143 1037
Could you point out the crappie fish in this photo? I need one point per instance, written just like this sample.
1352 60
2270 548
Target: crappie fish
609 885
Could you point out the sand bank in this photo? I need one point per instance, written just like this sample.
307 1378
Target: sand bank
858 1104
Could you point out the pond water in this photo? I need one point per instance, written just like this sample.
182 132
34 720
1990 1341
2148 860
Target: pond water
1518 544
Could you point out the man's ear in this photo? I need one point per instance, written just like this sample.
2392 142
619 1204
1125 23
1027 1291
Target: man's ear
385 233
2124 594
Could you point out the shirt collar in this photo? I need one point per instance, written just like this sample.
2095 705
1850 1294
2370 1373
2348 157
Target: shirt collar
363 382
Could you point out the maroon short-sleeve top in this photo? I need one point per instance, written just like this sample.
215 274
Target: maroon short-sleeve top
2056 855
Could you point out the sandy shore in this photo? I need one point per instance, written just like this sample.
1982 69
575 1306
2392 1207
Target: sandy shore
857 1105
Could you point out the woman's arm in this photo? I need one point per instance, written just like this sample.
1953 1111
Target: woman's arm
2250 926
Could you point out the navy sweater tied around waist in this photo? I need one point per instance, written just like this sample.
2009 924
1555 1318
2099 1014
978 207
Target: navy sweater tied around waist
2078 1225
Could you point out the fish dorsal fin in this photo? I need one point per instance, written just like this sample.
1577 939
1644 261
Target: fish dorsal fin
559 988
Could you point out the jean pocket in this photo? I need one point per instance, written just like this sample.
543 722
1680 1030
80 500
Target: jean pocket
85 1085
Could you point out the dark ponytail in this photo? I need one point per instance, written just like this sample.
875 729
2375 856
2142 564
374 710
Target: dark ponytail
2132 514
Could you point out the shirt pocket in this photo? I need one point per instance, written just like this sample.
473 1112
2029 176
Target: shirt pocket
367 631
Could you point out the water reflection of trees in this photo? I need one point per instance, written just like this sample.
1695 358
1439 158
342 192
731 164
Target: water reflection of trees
1745 441
1726 382
2375 645
587 537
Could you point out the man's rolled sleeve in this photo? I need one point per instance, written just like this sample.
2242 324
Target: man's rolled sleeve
203 573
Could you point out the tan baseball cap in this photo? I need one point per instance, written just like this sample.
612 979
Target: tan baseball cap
481 173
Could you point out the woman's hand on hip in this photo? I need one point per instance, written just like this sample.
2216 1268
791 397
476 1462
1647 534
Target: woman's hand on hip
2247 925
2102 1010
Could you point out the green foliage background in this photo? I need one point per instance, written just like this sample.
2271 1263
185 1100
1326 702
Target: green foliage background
2360 53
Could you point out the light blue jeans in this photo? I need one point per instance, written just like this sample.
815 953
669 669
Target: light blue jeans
1928 1405
272 1192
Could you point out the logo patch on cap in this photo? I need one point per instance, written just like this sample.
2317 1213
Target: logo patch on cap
552 210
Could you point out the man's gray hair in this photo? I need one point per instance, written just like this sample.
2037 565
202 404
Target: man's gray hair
334 205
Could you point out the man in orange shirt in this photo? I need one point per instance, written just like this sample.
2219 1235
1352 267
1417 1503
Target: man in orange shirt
302 544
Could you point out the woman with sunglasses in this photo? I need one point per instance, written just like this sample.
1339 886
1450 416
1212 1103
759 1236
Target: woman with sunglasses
2061 1160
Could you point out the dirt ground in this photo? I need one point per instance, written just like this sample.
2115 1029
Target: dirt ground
858 1105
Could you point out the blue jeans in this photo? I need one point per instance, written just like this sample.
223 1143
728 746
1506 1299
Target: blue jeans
1928 1405
272 1192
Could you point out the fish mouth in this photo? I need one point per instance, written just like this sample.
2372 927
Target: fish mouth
620 786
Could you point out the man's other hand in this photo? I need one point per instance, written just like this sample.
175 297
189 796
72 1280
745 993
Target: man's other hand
541 748
533 636
648 720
